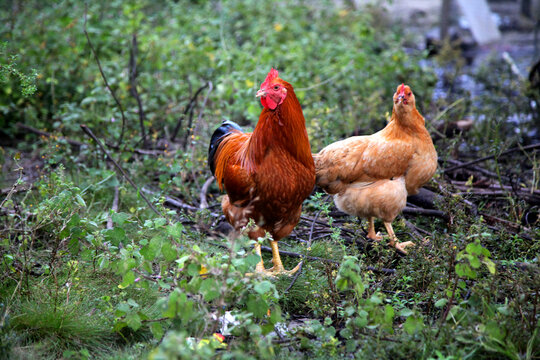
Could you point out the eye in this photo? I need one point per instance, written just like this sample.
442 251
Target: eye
276 87
408 94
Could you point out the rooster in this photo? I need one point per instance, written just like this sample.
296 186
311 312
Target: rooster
268 173
371 176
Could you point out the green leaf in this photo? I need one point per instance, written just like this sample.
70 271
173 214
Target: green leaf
119 218
210 289
157 330
388 314
159 222
405 312
275 315
440 303
152 249
252 259
168 251
133 321
413 324
475 262
257 306
263 287
175 230
127 280
490 265
116 235
80 200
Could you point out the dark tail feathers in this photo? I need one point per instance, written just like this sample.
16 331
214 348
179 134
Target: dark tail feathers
221 132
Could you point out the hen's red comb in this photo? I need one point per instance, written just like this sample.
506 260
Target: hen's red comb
272 74
402 89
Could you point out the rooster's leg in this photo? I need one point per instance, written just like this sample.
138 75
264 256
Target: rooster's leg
371 231
394 242
278 265
260 266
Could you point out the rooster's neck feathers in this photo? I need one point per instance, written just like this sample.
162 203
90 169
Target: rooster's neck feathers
283 128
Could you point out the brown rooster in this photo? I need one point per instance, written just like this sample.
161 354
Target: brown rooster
370 176
267 174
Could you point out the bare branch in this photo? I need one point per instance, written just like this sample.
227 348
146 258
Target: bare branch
133 86
87 130
113 94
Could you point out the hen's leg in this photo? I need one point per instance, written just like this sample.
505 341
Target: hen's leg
278 265
371 231
394 240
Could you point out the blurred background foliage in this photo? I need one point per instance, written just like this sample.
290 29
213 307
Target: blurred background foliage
343 64
85 279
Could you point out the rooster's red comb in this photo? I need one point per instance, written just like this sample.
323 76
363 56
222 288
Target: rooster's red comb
402 89
272 74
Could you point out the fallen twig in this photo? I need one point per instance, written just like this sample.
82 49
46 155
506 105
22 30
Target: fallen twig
189 108
87 130
47 134
427 212
523 148
201 111
114 208
204 190
177 203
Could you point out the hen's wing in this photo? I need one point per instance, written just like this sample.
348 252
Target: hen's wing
361 159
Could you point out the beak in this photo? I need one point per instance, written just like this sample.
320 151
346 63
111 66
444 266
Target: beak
400 98
260 93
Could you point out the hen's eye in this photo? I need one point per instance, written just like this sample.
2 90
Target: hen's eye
276 87
409 94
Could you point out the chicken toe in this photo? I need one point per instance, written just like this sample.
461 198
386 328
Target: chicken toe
401 246
371 231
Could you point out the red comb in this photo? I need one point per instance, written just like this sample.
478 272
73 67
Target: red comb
272 74
402 89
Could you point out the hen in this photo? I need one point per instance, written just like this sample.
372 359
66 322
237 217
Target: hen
370 176
267 174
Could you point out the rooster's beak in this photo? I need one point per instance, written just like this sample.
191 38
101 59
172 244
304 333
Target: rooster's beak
260 93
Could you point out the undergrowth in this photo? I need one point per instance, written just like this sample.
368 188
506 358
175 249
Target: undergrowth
89 270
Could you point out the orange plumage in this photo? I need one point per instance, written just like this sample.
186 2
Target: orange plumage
267 174
371 176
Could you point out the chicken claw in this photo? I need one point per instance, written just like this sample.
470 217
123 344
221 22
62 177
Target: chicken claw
400 247
278 268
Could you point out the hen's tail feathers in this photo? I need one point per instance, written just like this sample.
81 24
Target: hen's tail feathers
226 128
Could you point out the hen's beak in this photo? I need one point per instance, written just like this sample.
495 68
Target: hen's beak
260 93
400 98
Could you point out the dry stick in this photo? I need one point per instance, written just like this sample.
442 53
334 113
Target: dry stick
204 190
114 208
190 122
78 143
105 79
47 134
528 147
87 130
173 202
427 212
133 85
188 109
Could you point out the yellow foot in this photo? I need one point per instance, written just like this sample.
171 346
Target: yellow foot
280 270
375 237
401 246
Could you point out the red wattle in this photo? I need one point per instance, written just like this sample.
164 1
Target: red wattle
268 103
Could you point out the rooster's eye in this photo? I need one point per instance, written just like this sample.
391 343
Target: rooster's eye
276 87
